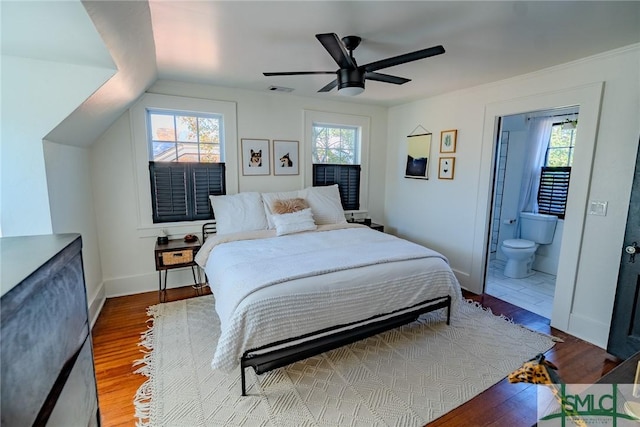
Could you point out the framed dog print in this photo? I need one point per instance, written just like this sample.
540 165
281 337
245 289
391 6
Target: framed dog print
448 141
285 157
255 157
446 167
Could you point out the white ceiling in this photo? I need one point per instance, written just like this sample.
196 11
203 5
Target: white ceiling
231 43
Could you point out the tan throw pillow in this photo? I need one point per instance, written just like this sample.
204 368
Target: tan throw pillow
281 206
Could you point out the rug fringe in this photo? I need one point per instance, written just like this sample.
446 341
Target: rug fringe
507 319
142 398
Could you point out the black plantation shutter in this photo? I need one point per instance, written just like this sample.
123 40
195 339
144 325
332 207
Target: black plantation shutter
553 191
346 176
169 191
208 179
180 191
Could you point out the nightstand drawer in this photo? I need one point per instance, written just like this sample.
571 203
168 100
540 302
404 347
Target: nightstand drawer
184 256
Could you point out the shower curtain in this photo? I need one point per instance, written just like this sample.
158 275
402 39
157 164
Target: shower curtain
538 135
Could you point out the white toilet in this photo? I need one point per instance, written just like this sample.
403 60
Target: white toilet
535 230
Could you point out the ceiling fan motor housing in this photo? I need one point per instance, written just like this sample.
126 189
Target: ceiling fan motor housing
350 78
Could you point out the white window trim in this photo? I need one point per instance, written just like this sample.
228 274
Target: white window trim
362 122
140 149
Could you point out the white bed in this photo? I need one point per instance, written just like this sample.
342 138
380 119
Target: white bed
274 283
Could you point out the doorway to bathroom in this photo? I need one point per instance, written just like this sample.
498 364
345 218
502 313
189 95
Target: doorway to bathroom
533 159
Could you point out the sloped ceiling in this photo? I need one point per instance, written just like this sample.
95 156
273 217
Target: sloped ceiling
230 43
125 27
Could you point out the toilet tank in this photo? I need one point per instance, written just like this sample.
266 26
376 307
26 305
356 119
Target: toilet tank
539 228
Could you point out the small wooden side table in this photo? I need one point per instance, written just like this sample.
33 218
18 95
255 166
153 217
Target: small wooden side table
176 254
378 227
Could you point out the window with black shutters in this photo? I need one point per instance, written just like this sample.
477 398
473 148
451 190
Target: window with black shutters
346 176
336 160
180 191
186 164
556 173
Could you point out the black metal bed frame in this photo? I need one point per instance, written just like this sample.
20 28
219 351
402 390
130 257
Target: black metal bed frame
279 354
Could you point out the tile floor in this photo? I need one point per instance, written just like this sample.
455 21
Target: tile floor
533 293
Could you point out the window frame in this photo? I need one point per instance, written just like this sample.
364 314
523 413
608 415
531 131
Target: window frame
140 147
312 117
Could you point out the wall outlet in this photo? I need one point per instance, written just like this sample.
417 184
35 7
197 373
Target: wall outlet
597 208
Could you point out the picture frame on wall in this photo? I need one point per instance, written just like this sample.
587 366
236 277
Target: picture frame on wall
448 141
446 167
418 149
286 159
255 157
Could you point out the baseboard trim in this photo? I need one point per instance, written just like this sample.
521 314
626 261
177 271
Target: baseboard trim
148 282
597 333
95 306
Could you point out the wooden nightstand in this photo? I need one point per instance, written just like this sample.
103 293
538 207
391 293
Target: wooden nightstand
372 225
375 226
176 254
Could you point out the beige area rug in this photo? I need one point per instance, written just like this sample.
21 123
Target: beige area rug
404 377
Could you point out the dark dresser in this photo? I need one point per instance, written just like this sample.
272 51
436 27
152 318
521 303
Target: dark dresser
46 354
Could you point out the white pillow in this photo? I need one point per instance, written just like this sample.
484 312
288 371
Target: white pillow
269 198
325 204
238 212
294 222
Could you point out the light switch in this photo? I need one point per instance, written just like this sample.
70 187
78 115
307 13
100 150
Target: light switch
598 208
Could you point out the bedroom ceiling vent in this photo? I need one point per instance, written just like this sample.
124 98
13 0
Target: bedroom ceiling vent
280 89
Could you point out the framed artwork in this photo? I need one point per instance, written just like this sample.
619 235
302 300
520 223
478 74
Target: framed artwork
446 167
285 157
419 147
255 157
448 141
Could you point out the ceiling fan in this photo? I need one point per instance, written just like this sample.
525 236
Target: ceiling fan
350 76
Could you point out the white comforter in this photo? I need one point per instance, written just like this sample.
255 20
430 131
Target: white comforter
272 288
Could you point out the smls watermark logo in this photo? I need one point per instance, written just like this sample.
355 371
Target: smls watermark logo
588 405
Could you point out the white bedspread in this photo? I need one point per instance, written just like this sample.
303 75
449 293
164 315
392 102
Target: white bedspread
272 288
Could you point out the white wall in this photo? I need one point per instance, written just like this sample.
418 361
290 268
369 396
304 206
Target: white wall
36 96
451 216
72 211
126 244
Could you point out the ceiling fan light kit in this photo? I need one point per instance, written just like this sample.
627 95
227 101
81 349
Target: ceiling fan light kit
350 81
350 77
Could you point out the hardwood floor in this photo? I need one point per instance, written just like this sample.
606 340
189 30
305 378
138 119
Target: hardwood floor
117 332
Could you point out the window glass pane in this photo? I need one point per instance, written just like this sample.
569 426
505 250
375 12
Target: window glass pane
187 152
187 128
164 151
209 129
162 127
209 153
335 145
561 144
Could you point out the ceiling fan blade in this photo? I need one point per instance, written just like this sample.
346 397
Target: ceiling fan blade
336 49
295 73
330 86
401 59
386 78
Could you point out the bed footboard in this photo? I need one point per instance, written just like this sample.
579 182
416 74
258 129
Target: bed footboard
282 353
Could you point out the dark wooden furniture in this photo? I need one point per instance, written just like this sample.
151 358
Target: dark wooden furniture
176 254
375 226
624 373
46 354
